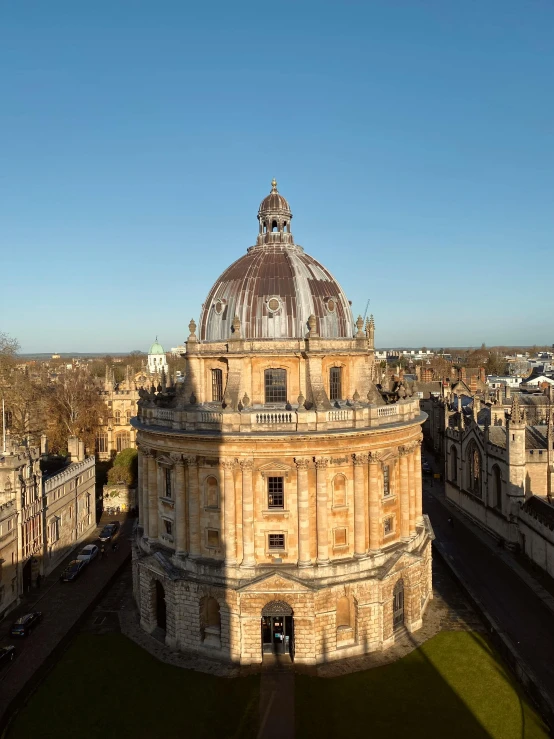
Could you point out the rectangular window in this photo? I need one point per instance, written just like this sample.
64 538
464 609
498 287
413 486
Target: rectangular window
275 492
168 527
386 480
275 386
335 385
276 541
212 538
168 483
388 525
217 385
340 537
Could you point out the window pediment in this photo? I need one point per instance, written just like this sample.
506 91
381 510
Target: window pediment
274 469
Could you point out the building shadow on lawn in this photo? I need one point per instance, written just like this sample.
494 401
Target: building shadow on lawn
107 686
454 685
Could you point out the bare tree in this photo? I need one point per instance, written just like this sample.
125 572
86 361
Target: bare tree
75 409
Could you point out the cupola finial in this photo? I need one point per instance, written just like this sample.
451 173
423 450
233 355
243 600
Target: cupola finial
274 185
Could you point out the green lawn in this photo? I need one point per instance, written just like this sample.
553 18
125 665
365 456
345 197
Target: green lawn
106 686
453 686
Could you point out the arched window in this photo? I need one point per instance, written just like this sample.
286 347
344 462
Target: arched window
274 226
343 613
339 490
496 501
101 444
398 604
335 383
453 464
275 386
212 492
286 227
122 441
217 385
474 469
117 417
210 622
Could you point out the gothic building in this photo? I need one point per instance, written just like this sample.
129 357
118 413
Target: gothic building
280 484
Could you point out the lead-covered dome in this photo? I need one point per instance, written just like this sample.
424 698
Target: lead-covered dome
275 287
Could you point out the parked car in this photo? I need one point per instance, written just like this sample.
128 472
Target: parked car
24 625
425 468
6 654
109 531
73 570
88 553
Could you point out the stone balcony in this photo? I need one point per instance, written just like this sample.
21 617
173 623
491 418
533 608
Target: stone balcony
208 418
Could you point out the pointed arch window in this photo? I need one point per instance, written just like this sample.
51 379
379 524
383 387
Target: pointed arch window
474 469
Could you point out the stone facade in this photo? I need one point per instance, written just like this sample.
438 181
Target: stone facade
42 517
279 486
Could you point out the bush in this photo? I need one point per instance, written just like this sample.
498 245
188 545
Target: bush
125 468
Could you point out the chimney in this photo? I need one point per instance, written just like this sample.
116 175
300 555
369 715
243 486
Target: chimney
43 445
473 383
73 448
482 375
81 451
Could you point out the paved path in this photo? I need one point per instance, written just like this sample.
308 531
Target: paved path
62 604
523 616
276 699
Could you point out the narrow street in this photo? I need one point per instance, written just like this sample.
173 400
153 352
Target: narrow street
62 605
523 616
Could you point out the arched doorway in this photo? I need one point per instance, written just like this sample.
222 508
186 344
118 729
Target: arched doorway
277 628
161 610
398 605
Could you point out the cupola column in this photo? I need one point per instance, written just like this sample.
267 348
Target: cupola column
412 483
152 497
322 512
304 558
230 513
248 556
180 507
193 507
143 501
375 495
404 494
360 466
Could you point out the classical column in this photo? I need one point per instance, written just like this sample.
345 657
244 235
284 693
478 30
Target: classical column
303 501
248 555
321 510
143 501
360 464
375 495
411 487
180 505
140 487
152 497
230 513
193 507
418 483
404 494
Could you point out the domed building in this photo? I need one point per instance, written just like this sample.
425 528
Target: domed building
280 484
157 360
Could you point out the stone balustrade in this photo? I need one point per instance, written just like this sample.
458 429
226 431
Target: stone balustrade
248 421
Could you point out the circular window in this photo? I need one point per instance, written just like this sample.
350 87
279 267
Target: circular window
219 307
330 305
273 304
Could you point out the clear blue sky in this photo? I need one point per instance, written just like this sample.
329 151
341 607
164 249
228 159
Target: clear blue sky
414 141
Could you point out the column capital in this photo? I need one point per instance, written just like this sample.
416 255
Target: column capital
228 464
191 460
404 450
360 458
301 463
146 451
246 464
321 462
176 458
374 457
